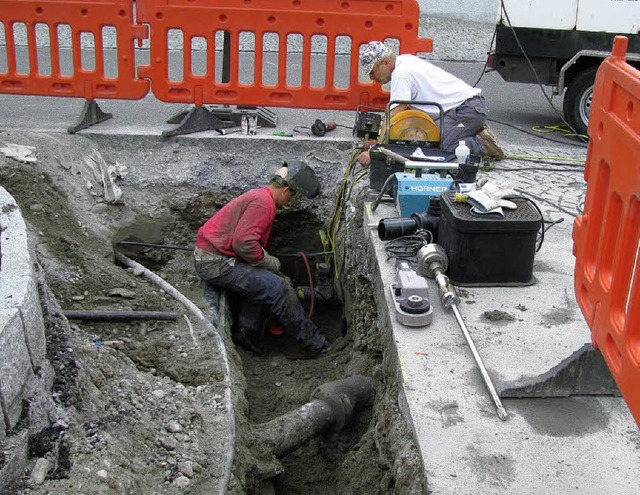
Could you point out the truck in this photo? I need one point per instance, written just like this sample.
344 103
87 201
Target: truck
561 44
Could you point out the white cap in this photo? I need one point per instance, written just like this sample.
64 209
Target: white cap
282 172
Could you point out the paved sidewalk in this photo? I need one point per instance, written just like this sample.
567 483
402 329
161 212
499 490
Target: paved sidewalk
586 445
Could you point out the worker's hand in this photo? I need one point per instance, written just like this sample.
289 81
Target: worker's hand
270 263
364 159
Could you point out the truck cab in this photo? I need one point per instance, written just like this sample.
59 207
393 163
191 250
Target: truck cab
561 44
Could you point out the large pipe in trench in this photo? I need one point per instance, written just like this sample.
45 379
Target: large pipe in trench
332 407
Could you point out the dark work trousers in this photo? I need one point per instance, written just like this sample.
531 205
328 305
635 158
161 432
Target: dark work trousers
256 287
463 122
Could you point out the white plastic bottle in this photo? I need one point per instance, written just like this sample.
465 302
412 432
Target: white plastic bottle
462 153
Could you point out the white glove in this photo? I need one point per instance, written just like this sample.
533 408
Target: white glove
498 188
489 198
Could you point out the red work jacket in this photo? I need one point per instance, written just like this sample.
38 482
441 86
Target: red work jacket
242 227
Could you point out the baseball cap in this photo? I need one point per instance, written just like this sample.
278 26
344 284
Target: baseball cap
371 53
298 176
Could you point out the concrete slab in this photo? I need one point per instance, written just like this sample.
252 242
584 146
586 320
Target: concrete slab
570 445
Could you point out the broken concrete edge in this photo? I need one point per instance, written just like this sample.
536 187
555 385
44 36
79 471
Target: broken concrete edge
15 449
22 338
300 137
23 367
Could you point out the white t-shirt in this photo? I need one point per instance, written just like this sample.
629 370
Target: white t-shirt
414 79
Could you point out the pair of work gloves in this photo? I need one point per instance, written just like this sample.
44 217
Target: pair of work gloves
488 198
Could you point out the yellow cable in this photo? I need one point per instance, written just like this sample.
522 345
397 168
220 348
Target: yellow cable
533 157
545 129
329 235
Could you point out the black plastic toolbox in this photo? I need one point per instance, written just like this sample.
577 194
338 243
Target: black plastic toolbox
488 250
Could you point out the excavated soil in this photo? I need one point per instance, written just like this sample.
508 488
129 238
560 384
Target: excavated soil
140 406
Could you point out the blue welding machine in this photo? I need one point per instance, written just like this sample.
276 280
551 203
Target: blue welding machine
413 194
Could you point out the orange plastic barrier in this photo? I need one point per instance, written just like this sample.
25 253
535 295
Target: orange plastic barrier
273 45
607 236
39 60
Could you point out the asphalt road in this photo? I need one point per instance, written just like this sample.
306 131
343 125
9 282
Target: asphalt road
519 106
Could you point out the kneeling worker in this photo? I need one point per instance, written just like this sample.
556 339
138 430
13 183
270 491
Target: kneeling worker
414 79
231 254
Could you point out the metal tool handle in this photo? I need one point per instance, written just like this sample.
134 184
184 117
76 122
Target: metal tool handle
448 294
431 162
433 262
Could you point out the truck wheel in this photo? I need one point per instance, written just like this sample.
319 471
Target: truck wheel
577 100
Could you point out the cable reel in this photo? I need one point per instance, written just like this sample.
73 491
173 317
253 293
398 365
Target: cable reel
413 125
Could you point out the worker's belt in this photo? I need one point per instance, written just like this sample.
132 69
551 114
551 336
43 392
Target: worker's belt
199 253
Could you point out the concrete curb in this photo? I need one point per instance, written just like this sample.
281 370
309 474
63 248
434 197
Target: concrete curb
22 338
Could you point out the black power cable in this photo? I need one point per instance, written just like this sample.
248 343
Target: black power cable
581 144
535 74
406 248
184 248
540 85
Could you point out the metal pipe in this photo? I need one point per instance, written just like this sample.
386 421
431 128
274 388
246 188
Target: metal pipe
331 409
98 315
502 412
433 262
434 163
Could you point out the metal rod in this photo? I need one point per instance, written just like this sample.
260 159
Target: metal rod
229 130
433 262
161 246
502 412
433 162
308 255
393 155
98 315
183 248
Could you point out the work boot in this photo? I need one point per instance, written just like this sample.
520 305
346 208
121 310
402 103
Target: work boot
248 339
312 340
316 345
490 143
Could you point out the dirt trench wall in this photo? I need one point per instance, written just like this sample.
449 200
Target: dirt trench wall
391 430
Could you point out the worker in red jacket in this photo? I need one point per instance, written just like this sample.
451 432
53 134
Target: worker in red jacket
231 254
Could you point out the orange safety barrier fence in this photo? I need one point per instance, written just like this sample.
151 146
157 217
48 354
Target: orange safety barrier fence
70 48
273 45
607 236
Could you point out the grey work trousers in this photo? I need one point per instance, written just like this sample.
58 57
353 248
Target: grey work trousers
256 287
463 122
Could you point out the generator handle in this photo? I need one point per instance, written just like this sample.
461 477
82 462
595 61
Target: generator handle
430 165
412 102
432 162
